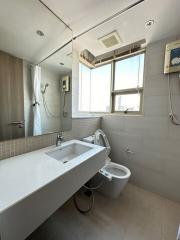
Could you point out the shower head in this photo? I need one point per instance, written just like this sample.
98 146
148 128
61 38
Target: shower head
45 86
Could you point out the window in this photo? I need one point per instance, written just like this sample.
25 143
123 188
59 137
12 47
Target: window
101 89
129 73
119 82
95 89
127 102
128 84
84 88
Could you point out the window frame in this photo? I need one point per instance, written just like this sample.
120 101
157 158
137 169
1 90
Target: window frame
126 92
114 93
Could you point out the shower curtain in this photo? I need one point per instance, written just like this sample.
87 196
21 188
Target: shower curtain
36 81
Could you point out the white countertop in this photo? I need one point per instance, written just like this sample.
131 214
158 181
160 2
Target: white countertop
24 174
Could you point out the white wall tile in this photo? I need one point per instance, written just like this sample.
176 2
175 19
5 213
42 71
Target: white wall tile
155 164
156 85
113 123
156 106
149 126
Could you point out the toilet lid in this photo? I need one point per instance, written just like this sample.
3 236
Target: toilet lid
101 139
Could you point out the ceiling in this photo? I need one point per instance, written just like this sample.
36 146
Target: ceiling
64 56
20 19
80 15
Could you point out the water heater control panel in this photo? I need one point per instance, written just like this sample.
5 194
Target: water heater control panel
65 84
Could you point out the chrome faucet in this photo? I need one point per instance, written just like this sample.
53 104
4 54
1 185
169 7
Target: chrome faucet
59 139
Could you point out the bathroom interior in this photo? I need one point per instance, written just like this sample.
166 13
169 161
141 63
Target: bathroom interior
89 120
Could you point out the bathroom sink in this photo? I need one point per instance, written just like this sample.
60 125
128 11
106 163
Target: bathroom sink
46 174
67 153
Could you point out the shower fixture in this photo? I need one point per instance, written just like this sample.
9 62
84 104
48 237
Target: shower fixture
44 90
45 104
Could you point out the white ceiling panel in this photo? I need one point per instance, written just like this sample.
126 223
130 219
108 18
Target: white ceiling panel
19 21
80 15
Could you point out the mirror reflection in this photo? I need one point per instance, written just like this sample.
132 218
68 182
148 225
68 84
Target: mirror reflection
35 94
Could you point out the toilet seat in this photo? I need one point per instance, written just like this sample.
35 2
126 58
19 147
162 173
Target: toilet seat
116 170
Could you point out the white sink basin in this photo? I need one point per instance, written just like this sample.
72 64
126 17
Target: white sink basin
36 184
68 153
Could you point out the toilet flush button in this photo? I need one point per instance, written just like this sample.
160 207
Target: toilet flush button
178 235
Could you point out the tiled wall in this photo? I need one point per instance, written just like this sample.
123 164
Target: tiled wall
83 127
80 128
155 141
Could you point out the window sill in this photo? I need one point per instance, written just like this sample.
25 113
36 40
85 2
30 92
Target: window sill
99 115
123 115
85 117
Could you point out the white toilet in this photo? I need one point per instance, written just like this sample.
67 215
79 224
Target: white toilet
116 175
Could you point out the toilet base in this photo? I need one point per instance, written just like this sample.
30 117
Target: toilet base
113 188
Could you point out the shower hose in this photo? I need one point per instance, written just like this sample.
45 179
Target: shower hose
172 115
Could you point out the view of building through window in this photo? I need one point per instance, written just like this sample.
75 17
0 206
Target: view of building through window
127 102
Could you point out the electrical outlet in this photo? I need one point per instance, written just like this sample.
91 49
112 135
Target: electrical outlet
178 234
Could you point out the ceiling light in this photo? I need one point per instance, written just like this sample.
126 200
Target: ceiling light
40 33
149 23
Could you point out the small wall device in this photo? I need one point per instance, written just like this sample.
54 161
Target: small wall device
65 84
172 57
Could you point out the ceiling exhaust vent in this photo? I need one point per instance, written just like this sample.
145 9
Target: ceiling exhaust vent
110 40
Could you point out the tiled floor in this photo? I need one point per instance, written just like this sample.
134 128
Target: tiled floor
136 215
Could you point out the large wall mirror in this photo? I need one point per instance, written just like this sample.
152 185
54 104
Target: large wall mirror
35 70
